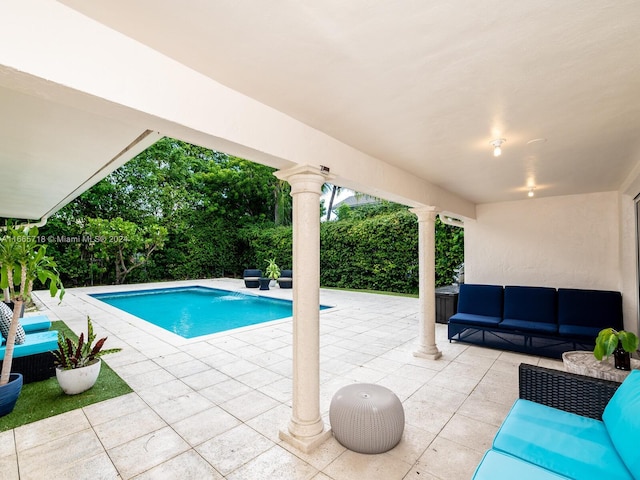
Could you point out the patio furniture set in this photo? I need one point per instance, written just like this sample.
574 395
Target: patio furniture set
542 320
252 278
33 358
566 425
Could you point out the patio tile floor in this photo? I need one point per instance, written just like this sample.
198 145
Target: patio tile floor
211 407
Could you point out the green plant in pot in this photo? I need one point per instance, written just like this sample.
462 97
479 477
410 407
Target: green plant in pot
620 343
22 260
272 271
78 363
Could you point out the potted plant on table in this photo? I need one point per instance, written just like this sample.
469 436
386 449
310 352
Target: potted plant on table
619 343
272 273
22 260
78 363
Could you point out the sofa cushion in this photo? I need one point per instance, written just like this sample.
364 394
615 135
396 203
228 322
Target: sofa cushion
622 420
480 299
529 326
471 319
37 342
532 304
591 308
571 445
497 465
578 331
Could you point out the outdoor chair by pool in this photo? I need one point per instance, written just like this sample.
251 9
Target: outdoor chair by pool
286 279
252 278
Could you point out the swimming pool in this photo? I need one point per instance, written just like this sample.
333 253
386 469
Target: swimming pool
194 311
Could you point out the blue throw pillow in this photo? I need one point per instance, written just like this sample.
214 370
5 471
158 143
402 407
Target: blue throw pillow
6 315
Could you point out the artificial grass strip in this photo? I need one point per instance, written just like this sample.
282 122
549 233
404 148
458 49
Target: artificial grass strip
44 399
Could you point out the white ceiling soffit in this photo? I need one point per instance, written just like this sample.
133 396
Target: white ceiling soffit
426 86
51 153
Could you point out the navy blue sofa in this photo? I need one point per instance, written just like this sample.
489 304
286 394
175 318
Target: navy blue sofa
540 320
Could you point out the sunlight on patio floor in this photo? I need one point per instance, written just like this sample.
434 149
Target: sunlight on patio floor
211 407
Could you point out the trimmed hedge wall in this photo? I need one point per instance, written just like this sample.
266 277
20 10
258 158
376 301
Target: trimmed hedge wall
377 253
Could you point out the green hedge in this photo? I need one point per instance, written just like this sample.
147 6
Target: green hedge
378 253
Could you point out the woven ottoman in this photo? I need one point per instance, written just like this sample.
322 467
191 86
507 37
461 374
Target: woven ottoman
366 418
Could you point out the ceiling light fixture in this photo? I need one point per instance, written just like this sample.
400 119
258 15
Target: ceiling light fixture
497 146
531 192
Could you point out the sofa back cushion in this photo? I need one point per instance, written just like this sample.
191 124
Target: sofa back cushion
590 308
533 304
622 420
480 299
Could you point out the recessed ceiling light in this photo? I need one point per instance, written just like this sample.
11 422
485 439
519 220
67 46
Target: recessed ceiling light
497 146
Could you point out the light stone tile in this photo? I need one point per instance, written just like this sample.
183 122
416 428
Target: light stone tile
128 427
188 465
426 416
364 375
7 444
322 456
460 384
204 379
146 452
182 407
98 467
490 412
475 434
351 465
50 429
157 394
249 405
403 387
53 458
9 467
275 464
441 398
225 391
113 408
149 379
205 425
412 445
133 369
418 473
238 368
448 460
180 370
234 448
258 378
271 422
173 359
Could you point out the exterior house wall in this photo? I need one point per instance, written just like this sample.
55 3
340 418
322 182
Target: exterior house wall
577 241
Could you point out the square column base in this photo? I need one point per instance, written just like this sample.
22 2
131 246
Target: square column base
307 444
435 354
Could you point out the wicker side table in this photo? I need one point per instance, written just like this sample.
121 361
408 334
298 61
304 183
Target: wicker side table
366 418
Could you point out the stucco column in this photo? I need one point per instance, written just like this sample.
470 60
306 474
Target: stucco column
427 347
306 427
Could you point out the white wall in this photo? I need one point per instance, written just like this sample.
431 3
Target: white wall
576 241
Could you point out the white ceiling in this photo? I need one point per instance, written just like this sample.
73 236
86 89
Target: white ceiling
426 86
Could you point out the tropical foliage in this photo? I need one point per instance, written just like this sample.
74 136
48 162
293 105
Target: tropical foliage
77 354
178 211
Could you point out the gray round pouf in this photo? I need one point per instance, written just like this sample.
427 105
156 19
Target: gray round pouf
366 418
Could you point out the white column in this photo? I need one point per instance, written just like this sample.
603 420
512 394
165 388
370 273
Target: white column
306 428
427 347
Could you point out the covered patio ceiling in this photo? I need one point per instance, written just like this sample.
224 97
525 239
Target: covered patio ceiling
421 86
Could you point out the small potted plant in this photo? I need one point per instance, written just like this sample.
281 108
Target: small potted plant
619 343
272 271
78 363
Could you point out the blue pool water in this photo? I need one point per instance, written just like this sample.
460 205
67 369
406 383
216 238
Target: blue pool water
194 311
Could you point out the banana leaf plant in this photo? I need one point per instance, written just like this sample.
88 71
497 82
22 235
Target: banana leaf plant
22 260
71 354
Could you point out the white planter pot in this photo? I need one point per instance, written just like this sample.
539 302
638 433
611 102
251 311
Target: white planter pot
78 380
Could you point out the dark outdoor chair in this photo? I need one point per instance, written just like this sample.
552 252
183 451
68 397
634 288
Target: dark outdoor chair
252 278
286 279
